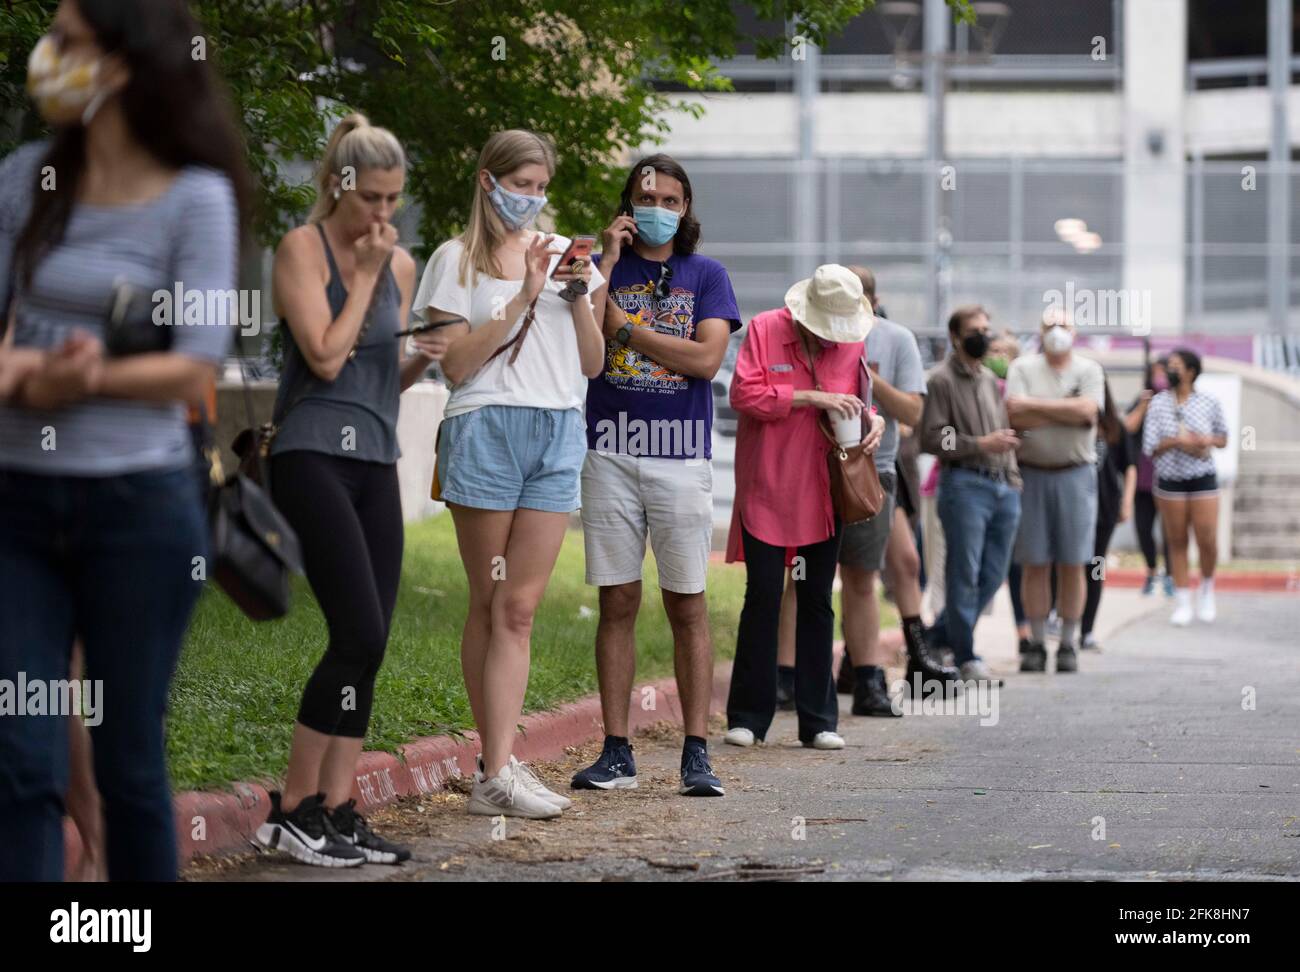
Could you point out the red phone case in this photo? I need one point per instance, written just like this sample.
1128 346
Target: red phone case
570 254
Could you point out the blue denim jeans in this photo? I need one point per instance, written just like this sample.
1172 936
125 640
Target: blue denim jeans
979 517
111 561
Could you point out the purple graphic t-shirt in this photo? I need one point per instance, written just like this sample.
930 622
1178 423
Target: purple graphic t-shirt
637 406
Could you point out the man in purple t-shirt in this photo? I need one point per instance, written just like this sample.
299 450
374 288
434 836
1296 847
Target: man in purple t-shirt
668 317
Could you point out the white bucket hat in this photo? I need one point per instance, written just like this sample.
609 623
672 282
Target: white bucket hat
831 304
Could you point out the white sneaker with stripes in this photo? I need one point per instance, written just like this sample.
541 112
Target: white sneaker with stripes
507 795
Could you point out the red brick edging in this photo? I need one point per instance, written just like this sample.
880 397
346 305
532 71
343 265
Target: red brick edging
1258 582
214 823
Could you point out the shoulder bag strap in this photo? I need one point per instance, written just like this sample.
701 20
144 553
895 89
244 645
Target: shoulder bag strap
821 417
517 341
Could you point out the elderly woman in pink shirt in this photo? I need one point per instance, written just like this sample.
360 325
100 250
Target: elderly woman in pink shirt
797 362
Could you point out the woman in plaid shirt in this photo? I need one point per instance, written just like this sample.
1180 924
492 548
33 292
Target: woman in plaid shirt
1182 427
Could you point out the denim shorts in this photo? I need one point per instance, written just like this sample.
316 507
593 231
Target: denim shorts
509 457
1200 487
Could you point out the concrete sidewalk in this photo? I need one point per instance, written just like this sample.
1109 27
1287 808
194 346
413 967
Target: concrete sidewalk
1143 765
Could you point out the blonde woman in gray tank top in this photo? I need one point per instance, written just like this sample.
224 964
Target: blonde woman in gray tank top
343 290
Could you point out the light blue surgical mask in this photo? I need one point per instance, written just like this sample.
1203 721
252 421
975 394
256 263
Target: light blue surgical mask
515 209
654 224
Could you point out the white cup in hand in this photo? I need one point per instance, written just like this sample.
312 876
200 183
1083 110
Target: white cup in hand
847 431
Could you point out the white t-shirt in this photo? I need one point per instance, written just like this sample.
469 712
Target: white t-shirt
547 373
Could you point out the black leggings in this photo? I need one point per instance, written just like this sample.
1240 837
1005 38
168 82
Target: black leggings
1144 522
751 702
348 515
1015 576
1094 573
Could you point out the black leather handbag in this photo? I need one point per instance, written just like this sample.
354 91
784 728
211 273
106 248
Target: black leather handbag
255 552
129 325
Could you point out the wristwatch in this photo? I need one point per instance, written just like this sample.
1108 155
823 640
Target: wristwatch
623 335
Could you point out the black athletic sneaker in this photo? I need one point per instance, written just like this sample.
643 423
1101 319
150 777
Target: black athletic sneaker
352 827
698 778
1067 659
1033 657
307 834
614 770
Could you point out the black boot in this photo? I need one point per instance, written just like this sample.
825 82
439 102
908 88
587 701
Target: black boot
871 697
845 681
923 659
784 689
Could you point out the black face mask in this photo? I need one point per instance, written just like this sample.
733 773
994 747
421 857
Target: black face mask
1175 378
975 344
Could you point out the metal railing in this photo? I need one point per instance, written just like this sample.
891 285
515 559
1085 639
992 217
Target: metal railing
1001 246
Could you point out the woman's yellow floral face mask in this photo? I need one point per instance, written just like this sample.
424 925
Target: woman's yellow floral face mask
66 90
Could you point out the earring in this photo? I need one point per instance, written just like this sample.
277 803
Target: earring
336 194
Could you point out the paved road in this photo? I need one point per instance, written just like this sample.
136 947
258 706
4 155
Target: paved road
1150 741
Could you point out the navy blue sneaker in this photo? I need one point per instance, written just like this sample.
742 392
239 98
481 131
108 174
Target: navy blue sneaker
614 770
697 774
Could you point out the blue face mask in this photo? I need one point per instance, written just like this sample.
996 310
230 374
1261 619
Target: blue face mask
515 209
654 224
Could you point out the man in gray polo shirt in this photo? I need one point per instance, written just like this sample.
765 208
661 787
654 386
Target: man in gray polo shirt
1053 400
898 389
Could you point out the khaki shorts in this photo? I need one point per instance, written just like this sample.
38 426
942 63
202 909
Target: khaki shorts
864 543
626 498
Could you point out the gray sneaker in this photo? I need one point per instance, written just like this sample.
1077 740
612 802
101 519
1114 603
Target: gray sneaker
1067 659
976 671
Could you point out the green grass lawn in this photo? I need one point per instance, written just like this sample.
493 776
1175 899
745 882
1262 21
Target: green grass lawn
238 685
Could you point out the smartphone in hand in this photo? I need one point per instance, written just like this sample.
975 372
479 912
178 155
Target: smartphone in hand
575 258
425 327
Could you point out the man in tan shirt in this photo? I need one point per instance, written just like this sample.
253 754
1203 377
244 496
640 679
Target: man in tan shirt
964 424
1053 400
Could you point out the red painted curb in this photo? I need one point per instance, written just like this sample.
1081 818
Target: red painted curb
1240 582
1258 582
213 823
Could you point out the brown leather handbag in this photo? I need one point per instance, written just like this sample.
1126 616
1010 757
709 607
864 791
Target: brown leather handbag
856 493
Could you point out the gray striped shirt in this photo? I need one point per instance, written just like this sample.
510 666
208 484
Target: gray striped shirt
187 236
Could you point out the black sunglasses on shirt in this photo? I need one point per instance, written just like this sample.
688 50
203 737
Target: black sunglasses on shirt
664 287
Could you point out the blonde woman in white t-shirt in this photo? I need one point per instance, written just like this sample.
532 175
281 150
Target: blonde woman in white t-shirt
510 450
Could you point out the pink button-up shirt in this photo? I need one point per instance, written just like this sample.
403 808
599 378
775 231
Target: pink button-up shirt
783 490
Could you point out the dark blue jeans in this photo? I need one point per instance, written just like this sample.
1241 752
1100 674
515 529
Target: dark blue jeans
109 560
980 517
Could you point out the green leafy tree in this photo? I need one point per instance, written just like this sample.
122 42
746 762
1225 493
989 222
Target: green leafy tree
444 74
